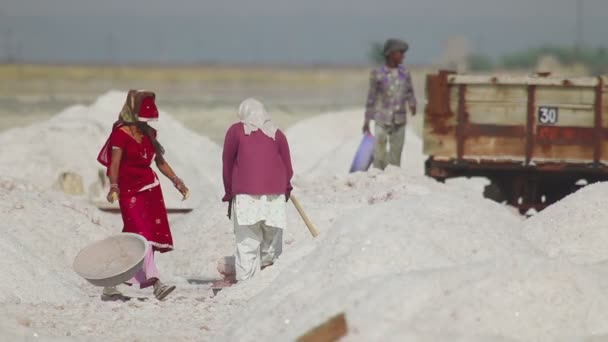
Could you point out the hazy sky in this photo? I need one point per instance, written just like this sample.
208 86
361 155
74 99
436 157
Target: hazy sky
282 31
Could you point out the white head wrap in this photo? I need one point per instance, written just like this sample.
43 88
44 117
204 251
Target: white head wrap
254 116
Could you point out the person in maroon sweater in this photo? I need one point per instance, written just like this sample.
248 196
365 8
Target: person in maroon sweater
257 174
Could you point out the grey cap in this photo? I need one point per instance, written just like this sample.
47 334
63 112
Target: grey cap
393 45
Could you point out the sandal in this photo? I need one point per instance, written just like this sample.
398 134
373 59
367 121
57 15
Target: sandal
161 291
110 294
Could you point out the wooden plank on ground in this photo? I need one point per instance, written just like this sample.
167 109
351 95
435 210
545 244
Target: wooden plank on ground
330 331
115 209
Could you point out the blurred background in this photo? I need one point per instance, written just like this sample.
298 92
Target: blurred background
302 58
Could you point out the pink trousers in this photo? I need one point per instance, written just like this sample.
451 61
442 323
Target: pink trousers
148 274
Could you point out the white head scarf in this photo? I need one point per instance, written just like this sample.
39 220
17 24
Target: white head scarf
254 116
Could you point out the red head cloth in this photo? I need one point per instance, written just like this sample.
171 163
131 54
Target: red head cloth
148 110
139 106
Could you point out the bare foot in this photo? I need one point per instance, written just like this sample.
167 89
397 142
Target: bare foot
226 282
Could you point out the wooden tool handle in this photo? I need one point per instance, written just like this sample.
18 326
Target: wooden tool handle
311 228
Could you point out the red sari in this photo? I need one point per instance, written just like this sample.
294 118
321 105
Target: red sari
141 199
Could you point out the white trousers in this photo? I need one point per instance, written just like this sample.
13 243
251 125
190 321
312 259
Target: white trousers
257 245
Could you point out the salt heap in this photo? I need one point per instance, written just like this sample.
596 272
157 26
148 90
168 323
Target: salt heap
426 262
71 140
406 228
42 230
575 227
41 234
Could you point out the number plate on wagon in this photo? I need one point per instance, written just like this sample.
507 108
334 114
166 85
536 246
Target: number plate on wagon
547 115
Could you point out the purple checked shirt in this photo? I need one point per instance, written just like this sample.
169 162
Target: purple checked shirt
390 90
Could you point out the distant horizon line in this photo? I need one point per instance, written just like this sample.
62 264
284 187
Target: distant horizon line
174 65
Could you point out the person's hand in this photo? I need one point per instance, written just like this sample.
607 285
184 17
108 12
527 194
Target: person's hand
366 127
112 195
413 110
181 187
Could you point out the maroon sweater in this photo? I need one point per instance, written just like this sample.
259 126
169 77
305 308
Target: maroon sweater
255 164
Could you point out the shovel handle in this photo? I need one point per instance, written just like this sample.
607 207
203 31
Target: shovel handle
309 225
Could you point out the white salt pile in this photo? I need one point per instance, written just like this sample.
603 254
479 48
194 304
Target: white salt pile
404 229
406 258
41 234
70 142
574 228
426 264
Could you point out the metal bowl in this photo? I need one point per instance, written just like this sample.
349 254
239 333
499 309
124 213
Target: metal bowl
111 261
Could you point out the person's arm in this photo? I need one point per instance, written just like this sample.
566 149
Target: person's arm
113 175
410 97
286 157
228 157
370 105
166 170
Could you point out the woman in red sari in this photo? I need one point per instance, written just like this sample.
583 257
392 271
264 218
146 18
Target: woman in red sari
128 155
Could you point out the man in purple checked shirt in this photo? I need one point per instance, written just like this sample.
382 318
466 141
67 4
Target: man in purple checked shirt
390 92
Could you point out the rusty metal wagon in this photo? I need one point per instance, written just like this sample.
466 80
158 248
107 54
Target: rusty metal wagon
536 138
